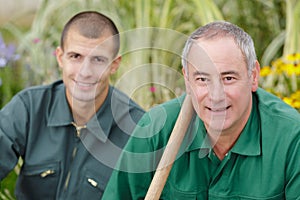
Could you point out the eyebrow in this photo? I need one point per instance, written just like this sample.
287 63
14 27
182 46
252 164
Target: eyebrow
72 52
197 73
102 57
230 72
92 56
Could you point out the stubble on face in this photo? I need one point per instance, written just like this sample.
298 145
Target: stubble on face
219 84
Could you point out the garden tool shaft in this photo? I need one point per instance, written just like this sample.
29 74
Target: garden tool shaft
172 148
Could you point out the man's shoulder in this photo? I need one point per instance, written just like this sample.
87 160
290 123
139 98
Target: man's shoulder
270 106
278 120
42 89
121 101
38 98
165 113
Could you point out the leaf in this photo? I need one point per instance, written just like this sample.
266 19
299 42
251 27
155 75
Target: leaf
272 49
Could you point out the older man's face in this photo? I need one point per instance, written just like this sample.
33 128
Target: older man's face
219 84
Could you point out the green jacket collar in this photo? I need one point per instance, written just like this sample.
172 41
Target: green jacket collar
60 114
59 110
247 144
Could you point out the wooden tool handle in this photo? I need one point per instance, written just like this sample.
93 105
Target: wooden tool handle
169 155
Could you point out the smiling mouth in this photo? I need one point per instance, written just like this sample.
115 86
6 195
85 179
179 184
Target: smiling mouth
218 109
82 84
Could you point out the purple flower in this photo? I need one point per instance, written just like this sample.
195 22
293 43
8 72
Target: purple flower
7 53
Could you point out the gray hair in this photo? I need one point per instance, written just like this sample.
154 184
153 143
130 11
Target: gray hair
220 29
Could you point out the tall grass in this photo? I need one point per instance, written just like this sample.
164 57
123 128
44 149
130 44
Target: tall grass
292 39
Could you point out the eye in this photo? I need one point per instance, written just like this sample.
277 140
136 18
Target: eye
75 56
99 60
229 79
201 79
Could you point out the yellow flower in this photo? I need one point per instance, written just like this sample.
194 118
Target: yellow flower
297 69
293 100
265 71
288 100
290 69
296 95
296 104
293 57
282 78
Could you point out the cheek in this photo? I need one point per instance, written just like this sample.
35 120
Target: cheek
69 68
197 91
239 95
104 72
198 95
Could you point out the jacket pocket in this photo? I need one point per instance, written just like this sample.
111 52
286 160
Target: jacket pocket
93 185
38 181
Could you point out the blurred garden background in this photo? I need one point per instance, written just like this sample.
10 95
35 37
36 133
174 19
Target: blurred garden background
30 31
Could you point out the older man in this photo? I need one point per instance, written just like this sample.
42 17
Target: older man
242 142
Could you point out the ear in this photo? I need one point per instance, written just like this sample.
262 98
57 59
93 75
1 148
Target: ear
59 53
115 65
186 80
255 76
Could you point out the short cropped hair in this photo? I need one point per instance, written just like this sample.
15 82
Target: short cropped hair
91 24
219 29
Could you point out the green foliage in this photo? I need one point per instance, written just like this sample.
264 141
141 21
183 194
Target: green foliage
7 187
292 40
264 20
12 82
9 71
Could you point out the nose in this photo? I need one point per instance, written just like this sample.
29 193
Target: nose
216 92
85 68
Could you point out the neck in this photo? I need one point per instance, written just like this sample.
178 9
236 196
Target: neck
222 144
83 111
222 141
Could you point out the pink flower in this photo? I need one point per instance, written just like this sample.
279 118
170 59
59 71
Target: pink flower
152 89
36 40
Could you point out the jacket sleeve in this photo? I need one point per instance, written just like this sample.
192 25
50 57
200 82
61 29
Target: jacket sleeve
13 126
133 173
140 157
136 167
293 167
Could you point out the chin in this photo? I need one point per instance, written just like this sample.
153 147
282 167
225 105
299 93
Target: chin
84 97
216 124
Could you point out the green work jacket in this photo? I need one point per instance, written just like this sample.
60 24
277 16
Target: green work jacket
264 163
60 162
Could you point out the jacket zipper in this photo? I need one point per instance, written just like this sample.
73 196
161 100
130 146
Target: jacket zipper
78 131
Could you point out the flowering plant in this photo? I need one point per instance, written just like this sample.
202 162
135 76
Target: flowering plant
7 54
282 78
